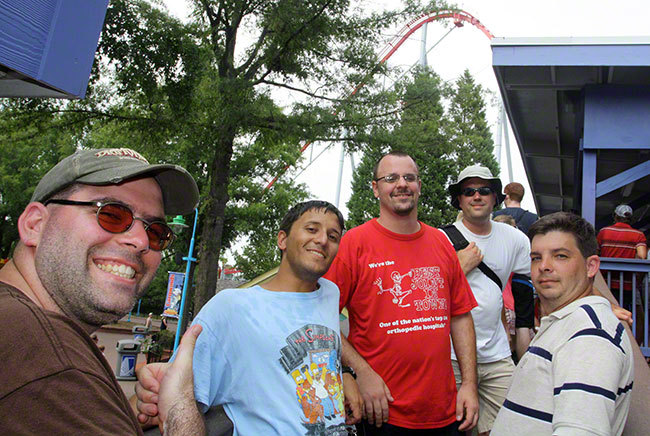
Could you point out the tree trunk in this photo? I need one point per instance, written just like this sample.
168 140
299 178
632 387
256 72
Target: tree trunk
213 221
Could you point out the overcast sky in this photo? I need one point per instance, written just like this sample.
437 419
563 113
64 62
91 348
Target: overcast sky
467 47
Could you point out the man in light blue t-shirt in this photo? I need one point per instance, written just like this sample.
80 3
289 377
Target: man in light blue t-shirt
271 354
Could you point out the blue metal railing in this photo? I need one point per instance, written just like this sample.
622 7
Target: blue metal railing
627 275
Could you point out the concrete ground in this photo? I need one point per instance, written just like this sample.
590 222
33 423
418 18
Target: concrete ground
108 337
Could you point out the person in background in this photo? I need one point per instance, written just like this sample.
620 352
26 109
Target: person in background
508 300
514 195
147 323
621 240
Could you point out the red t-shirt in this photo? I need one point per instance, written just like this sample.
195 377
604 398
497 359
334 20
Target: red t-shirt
401 292
508 299
620 240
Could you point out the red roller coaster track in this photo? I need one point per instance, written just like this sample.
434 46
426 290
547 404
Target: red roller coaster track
459 17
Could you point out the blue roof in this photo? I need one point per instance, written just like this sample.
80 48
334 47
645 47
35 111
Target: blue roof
47 47
563 95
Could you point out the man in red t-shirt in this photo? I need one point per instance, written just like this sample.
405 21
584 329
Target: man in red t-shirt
406 294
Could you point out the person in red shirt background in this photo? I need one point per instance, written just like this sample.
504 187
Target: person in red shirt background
621 240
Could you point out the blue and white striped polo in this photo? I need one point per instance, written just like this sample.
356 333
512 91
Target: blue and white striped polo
576 377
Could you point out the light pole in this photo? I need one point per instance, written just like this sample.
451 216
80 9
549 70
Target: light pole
178 224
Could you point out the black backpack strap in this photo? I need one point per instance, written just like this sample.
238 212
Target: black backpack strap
457 239
491 274
460 242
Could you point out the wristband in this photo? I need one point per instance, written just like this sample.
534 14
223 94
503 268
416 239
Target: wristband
350 371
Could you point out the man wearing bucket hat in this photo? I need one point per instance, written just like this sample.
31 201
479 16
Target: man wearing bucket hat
91 240
495 251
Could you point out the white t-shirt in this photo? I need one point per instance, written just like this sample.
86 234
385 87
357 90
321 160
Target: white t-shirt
505 250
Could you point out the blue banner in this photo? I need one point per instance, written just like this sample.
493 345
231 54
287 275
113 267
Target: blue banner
174 292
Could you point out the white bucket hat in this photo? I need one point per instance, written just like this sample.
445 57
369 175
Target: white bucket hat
482 173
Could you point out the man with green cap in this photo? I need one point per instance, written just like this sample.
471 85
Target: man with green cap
91 240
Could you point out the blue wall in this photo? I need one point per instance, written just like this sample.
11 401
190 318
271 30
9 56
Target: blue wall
52 41
617 117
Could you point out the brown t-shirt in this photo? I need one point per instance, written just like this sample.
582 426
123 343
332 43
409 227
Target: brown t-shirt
53 378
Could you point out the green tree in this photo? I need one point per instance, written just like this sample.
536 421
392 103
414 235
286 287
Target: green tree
419 131
151 89
314 49
207 95
441 142
21 165
468 129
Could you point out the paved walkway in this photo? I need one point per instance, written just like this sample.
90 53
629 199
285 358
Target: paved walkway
108 337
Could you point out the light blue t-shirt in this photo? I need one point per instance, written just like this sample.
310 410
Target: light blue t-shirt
273 360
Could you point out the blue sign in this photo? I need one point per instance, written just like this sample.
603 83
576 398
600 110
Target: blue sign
127 368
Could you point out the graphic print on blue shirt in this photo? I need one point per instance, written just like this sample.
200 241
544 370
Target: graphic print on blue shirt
312 359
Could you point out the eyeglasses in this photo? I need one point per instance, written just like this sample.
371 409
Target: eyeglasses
483 190
118 218
393 178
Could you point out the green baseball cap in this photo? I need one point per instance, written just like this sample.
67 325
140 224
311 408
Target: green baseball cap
110 166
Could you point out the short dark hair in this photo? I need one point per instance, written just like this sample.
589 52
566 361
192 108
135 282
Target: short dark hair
299 209
580 228
66 192
392 153
515 191
622 219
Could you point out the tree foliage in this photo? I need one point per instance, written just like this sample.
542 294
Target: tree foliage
50 139
442 142
151 90
468 129
207 95
314 49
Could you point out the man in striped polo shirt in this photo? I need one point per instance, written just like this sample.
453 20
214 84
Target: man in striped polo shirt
576 378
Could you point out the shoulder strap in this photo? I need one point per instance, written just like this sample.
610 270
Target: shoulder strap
457 239
491 274
460 242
